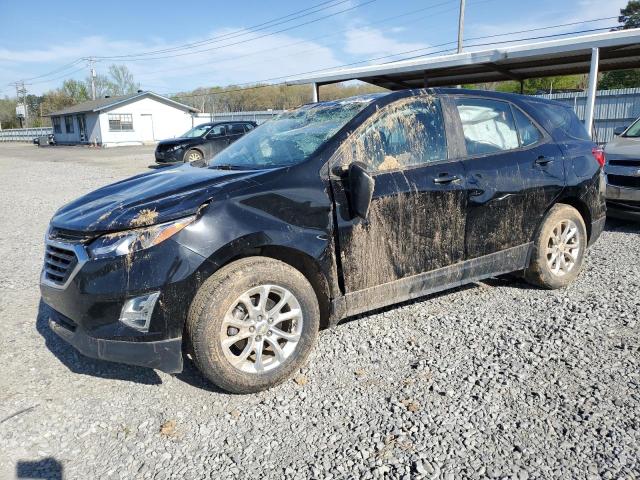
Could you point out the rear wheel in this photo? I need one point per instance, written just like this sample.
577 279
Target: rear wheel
559 248
253 324
193 156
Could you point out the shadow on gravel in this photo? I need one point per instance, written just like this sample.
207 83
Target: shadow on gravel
192 376
78 363
626 226
48 468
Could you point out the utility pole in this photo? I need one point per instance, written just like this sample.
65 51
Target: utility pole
92 73
21 90
461 26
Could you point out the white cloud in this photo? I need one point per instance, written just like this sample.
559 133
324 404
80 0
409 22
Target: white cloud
217 63
368 41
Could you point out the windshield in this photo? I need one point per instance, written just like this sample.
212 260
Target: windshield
196 131
291 137
633 130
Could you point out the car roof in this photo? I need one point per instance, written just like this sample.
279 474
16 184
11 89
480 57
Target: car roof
224 122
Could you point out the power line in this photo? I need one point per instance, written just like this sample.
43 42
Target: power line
242 32
254 86
287 45
367 2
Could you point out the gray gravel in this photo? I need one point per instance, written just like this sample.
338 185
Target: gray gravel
494 380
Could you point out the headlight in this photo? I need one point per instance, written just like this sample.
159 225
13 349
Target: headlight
123 243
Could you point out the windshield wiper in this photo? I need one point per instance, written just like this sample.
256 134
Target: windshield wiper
227 166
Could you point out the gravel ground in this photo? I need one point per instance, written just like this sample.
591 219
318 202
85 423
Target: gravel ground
496 379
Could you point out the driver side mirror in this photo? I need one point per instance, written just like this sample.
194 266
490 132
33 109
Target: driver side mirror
619 131
361 185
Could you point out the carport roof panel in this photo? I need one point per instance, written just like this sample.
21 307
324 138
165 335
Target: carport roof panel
618 50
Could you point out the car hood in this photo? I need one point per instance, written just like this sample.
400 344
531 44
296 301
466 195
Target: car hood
624 147
155 197
179 141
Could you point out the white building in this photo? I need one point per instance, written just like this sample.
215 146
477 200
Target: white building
135 119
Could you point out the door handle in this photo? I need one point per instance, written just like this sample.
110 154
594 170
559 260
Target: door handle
445 178
542 160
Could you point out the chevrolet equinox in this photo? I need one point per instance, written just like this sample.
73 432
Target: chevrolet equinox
327 211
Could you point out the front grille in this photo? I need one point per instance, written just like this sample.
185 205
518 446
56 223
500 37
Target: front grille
624 163
59 262
623 181
70 235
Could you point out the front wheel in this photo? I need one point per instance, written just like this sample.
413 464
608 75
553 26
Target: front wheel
193 156
559 248
253 324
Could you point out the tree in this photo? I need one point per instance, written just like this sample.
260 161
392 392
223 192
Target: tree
76 90
629 18
121 81
630 15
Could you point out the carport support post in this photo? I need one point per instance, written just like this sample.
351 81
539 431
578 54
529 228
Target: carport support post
316 92
591 92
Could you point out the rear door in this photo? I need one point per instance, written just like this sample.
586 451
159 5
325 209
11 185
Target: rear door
514 173
416 219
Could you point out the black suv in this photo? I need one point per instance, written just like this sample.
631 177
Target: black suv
201 142
327 211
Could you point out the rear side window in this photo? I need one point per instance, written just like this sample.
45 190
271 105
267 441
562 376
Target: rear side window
406 133
559 117
488 126
529 133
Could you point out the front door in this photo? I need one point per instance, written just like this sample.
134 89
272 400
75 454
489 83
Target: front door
146 127
417 216
82 127
514 173
216 140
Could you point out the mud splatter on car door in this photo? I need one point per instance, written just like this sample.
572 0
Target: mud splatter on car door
416 220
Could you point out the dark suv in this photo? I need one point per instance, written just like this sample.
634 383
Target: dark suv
201 142
327 211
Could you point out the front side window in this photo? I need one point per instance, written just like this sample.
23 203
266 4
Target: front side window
293 136
488 126
120 122
406 133
68 124
236 129
56 125
217 131
529 133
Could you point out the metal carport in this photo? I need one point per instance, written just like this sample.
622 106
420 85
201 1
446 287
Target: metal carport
579 54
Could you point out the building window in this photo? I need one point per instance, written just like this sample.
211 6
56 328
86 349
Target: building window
56 124
120 122
68 124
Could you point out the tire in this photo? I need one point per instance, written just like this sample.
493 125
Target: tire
220 312
193 155
556 260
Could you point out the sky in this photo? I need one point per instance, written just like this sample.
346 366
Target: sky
187 45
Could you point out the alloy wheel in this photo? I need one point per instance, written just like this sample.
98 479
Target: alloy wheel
563 247
261 329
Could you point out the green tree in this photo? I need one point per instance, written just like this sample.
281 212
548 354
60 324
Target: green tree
77 91
629 18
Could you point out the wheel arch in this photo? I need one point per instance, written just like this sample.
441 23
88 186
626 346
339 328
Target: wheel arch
581 207
297 259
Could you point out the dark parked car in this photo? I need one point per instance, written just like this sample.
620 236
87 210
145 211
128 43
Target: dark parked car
623 173
327 211
201 142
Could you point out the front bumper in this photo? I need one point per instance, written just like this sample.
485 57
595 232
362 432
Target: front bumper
170 156
88 304
164 355
623 203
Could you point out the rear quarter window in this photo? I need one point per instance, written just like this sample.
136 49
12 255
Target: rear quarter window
558 117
